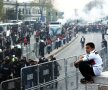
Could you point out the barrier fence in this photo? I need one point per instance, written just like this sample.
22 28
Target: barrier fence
13 84
50 75
53 75
104 56
31 51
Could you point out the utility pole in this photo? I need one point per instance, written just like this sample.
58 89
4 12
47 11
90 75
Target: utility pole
25 10
17 18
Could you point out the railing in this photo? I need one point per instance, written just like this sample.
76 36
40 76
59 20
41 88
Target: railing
53 75
31 51
13 84
104 56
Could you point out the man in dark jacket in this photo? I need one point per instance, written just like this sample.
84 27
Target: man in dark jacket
41 48
18 51
82 41
1 55
12 51
28 39
6 69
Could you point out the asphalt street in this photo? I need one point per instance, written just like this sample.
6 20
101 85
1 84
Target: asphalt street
74 49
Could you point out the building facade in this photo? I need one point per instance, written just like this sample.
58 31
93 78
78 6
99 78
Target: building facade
30 11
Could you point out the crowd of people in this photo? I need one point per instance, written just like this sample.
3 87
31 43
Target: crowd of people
45 40
11 42
16 37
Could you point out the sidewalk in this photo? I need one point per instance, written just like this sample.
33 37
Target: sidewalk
54 52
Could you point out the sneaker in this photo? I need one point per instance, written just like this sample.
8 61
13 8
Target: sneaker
84 81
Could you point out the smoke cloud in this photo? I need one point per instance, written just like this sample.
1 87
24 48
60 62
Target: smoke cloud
89 10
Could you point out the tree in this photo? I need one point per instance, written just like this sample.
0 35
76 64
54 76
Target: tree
52 14
1 9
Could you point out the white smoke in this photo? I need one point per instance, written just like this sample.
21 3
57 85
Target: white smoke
97 11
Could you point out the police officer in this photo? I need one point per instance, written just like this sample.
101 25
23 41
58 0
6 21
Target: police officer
1 75
18 51
90 64
1 55
6 69
12 51
15 67
41 48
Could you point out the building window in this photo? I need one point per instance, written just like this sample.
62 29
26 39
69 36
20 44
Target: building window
19 10
26 11
29 11
23 11
39 11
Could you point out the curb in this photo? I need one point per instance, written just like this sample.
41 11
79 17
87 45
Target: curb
61 48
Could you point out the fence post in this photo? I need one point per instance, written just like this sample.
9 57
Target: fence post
66 76
77 79
36 51
26 52
38 69
77 75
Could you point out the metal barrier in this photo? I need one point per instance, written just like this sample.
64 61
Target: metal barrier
28 49
12 84
29 77
54 75
103 54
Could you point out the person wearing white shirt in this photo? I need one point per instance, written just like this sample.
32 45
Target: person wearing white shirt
89 64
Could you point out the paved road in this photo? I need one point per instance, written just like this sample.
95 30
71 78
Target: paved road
74 49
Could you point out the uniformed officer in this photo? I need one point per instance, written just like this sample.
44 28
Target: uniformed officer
1 55
6 69
18 51
41 48
90 64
